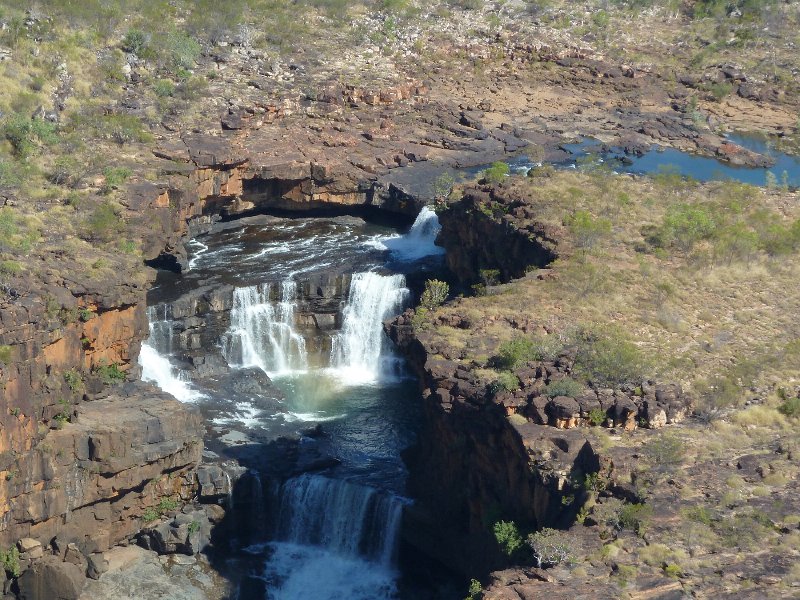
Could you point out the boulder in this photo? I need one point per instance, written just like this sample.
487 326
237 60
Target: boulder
51 579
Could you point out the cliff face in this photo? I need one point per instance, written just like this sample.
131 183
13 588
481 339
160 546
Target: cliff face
474 466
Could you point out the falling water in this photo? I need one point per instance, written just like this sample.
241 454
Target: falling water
263 332
418 243
339 538
154 360
358 351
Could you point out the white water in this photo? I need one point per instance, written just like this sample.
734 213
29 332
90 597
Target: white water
357 353
417 243
154 360
338 540
262 331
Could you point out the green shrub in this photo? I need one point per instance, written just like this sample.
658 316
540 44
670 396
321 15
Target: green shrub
150 514
10 561
586 230
73 379
505 381
164 88
683 226
522 349
790 406
475 591
104 224
665 450
563 387
597 416
109 373
496 172
26 134
176 51
435 294
508 537
609 358
135 42
5 354
115 177
542 171
550 547
635 517
166 505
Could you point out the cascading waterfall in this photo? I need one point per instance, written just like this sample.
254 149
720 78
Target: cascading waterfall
262 331
338 539
418 243
154 354
358 350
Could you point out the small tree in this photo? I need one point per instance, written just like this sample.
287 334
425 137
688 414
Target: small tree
496 172
550 547
586 230
435 294
508 537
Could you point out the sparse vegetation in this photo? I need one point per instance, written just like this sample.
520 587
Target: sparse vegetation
508 537
434 294
550 547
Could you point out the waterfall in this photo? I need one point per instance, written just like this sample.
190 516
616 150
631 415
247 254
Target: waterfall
358 349
345 518
337 540
418 243
262 331
154 360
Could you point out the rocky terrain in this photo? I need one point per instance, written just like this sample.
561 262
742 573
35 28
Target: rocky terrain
117 150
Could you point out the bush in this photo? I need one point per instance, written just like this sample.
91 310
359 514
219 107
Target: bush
475 591
497 172
164 88
597 416
550 547
505 381
790 406
5 354
665 450
521 349
635 517
563 387
508 537
135 42
435 294
609 358
586 230
26 134
104 223
683 226
10 561
109 373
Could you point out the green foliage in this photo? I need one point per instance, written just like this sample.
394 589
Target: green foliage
543 171
109 373
5 354
115 177
508 537
435 294
26 135
684 225
635 517
176 51
586 230
150 514
166 505
10 561
85 314
597 416
608 357
164 88
194 527
521 349
563 387
550 547
135 42
73 379
496 172
592 482
505 381
665 450
442 186
790 406
475 591
104 223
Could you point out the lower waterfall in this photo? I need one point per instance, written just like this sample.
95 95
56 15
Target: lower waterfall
337 539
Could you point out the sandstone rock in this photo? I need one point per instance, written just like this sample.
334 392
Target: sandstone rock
97 565
51 579
30 548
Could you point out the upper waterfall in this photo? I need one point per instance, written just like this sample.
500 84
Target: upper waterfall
263 332
358 350
418 243
154 360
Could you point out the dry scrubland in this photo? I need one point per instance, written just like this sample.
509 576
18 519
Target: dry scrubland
694 283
